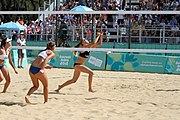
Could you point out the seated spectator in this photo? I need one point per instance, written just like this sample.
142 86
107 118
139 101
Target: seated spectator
173 21
135 29
148 21
162 24
174 5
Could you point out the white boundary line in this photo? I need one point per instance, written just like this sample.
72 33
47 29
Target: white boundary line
101 49
90 12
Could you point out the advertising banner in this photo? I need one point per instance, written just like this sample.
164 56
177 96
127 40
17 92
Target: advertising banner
173 65
96 60
63 59
136 62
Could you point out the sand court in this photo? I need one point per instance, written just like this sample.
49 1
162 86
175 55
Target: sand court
118 96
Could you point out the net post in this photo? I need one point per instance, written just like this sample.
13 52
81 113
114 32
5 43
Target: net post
56 24
129 36
92 33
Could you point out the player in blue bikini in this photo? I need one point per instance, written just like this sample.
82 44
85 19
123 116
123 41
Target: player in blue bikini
37 72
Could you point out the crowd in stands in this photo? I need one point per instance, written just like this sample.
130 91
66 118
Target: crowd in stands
148 25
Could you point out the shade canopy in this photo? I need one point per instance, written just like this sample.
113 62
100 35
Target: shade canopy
81 8
12 26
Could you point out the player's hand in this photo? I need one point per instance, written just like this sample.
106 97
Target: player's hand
98 33
15 71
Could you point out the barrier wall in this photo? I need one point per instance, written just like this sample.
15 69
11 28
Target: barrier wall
110 61
66 59
14 55
15 58
96 60
63 59
173 65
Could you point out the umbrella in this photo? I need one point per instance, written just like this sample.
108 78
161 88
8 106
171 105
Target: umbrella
12 26
80 9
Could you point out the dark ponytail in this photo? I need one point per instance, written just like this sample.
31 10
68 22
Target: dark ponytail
3 41
50 44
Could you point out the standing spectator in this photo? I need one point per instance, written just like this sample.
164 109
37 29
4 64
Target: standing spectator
149 4
63 26
115 8
21 42
120 20
21 20
107 33
37 30
174 33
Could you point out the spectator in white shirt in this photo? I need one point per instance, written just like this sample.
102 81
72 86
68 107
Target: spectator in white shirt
21 42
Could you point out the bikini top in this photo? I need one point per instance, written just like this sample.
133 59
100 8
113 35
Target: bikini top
3 57
85 54
43 54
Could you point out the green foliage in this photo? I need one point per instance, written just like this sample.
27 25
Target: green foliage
20 5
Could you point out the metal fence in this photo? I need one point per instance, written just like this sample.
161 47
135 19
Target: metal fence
142 34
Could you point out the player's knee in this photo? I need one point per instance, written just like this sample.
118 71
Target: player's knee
8 81
91 73
1 79
74 80
36 87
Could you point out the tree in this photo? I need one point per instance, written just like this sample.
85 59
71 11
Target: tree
20 5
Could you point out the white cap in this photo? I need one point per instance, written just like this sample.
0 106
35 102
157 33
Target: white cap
8 40
22 33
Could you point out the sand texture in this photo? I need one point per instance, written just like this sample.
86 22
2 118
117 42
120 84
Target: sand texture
118 96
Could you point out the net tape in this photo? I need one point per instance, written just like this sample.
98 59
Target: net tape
90 12
100 49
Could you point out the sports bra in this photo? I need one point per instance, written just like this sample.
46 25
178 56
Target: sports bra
85 54
3 57
43 54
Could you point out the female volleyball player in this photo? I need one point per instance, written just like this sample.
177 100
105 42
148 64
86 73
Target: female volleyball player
37 72
79 65
5 54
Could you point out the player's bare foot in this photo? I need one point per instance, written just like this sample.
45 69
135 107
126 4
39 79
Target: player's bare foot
59 87
3 91
27 99
90 90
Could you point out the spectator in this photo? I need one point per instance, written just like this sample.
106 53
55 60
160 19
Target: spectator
61 37
162 24
21 42
174 5
173 21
